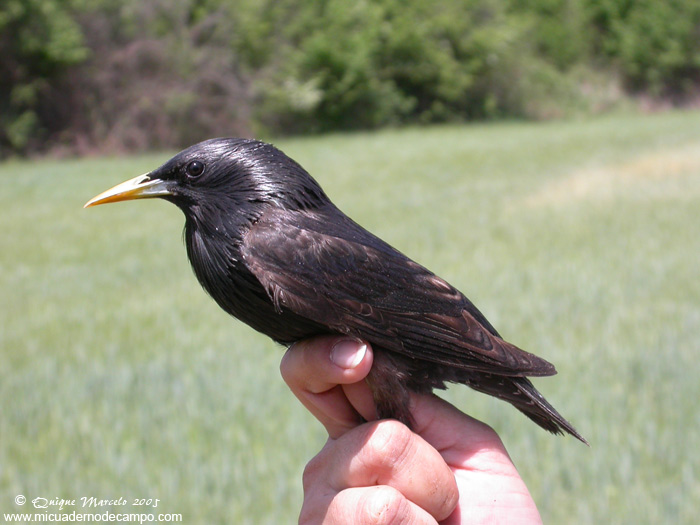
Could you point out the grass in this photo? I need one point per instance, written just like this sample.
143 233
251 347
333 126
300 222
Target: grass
579 240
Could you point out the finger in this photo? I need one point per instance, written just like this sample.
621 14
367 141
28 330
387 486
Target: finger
388 453
373 505
480 461
463 441
360 396
315 368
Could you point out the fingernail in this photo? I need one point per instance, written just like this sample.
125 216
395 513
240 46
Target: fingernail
348 353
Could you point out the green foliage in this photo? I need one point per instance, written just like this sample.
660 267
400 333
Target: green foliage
656 44
39 41
558 29
397 62
387 62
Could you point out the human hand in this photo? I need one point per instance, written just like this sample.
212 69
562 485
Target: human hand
453 469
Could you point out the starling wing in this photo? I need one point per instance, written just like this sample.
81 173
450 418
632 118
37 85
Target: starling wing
332 271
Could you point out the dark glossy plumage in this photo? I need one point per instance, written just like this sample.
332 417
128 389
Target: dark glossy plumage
272 250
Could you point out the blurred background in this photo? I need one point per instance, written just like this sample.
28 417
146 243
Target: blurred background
79 76
543 157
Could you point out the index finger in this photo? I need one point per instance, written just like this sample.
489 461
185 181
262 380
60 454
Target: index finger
319 370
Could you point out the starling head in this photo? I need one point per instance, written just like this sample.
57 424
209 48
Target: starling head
223 174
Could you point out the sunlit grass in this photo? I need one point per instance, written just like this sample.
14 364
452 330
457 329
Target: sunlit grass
579 241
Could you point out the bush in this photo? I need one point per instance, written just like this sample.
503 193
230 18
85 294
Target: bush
656 45
420 61
162 76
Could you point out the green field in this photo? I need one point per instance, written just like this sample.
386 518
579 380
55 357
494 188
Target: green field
579 240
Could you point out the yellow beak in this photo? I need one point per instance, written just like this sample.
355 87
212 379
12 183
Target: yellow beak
141 187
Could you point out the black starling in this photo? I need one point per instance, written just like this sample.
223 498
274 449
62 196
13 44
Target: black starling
273 251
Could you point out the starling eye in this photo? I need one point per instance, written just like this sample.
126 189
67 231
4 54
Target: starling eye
195 168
